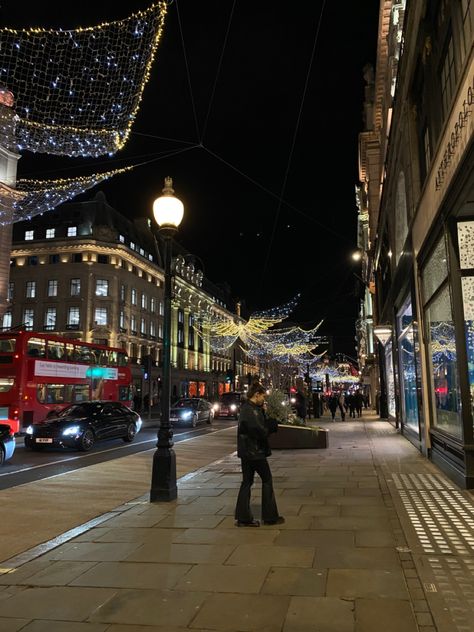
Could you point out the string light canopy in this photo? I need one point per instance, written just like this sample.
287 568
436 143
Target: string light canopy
78 91
39 196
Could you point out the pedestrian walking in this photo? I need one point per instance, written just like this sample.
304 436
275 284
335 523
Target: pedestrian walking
301 404
342 404
253 449
358 403
333 403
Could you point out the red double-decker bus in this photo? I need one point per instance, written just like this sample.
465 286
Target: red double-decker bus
41 372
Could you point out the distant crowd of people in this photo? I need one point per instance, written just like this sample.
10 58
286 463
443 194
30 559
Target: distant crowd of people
346 403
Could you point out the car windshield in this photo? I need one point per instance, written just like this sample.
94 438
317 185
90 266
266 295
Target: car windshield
80 410
230 398
186 403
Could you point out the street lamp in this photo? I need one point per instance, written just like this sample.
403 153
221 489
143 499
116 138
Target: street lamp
168 212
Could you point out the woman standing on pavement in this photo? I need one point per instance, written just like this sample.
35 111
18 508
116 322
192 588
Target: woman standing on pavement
253 449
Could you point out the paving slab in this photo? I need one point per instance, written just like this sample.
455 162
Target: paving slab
389 615
295 581
131 575
319 613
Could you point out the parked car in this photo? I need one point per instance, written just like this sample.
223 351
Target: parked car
79 426
228 405
191 410
7 443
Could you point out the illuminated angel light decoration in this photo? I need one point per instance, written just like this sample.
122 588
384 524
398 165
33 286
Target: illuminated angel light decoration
39 196
78 91
224 333
285 343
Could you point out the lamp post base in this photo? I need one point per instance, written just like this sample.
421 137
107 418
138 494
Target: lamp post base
163 477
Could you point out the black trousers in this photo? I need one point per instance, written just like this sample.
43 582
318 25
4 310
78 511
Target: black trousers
243 513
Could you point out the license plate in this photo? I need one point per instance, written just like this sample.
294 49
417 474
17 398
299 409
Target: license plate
43 440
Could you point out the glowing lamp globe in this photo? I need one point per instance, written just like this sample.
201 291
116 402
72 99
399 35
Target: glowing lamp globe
167 209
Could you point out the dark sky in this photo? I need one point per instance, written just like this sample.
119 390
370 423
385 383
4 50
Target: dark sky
268 188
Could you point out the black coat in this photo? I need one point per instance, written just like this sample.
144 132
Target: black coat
253 431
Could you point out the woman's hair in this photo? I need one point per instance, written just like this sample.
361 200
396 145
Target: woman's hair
255 388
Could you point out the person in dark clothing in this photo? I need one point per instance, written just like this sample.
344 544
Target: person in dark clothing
333 404
300 405
253 449
358 403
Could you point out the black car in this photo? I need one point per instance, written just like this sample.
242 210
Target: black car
228 405
81 425
7 443
191 410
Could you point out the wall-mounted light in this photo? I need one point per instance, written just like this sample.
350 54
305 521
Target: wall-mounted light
383 333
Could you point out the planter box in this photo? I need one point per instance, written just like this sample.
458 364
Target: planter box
291 437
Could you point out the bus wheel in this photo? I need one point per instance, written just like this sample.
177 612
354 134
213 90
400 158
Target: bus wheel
86 441
131 432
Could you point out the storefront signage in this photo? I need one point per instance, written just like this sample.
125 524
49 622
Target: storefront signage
461 122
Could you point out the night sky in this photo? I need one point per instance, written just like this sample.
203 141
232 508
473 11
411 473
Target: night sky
269 118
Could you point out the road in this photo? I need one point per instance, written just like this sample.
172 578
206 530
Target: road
27 466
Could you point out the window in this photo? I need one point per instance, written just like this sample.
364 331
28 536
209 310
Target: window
467 18
132 245
100 315
72 231
11 289
102 287
162 308
143 326
134 296
7 320
180 316
30 289
102 259
122 319
53 258
75 287
448 77
153 305
73 316
121 239
52 288
152 329
50 233
29 235
28 318
50 318
144 301
133 323
77 257
33 261
122 292
142 252
160 331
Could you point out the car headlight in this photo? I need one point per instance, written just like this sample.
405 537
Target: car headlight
29 430
293 400
138 424
215 407
233 407
186 414
72 430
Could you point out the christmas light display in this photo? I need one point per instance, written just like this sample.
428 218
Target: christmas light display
39 196
77 92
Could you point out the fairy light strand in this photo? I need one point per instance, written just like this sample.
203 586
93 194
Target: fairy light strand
77 92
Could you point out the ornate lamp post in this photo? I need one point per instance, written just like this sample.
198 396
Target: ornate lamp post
168 212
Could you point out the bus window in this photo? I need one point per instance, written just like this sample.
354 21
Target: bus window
55 350
81 392
102 355
7 345
84 354
5 384
36 348
122 359
50 393
71 354
113 360
124 394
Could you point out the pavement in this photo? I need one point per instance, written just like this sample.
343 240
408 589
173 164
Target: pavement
376 539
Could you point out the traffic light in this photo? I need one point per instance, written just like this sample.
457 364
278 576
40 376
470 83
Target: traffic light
146 364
